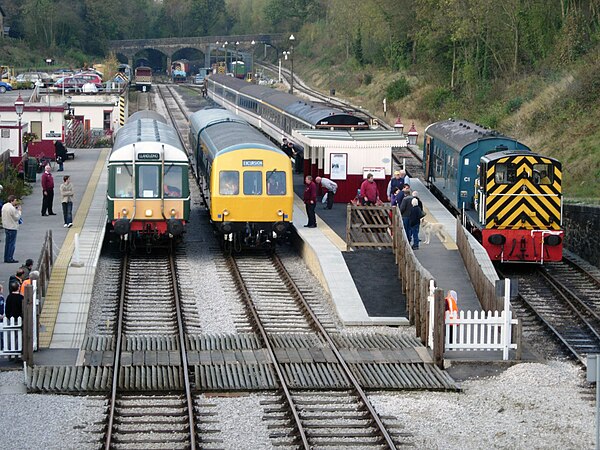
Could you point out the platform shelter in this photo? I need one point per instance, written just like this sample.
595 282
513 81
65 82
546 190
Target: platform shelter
347 156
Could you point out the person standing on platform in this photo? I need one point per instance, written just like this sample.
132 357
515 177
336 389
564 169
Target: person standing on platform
13 306
331 187
451 306
414 221
310 200
35 276
48 192
66 193
11 219
397 181
60 154
27 268
369 193
405 208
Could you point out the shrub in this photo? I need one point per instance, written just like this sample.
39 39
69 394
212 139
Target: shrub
397 89
513 105
436 98
368 79
14 185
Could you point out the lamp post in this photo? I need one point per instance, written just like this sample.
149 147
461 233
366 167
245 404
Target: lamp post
285 55
292 39
19 106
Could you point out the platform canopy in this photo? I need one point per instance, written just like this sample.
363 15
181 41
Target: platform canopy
350 139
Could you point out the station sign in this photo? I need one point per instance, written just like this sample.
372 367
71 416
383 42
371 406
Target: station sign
378 172
53 134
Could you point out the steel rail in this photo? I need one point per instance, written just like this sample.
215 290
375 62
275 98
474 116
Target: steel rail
258 323
183 351
117 357
319 328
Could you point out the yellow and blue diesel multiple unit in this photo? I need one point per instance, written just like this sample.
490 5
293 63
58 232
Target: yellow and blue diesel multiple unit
245 179
511 196
148 193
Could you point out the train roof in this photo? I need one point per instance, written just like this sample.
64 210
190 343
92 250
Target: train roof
492 157
460 133
222 131
147 114
312 113
147 136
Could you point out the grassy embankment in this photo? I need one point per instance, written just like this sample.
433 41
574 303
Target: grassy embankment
554 111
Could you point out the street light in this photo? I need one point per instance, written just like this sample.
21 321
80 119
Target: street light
19 106
292 39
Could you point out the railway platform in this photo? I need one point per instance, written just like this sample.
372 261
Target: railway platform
64 312
363 285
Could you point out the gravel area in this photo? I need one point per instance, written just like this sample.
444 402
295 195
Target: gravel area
530 405
24 418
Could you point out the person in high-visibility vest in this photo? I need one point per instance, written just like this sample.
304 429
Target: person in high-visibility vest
451 301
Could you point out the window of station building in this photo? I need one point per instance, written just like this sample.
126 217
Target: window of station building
252 182
276 183
229 182
506 173
123 181
106 119
173 181
148 181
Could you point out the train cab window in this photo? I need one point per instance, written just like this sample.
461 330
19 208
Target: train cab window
123 181
172 181
505 173
276 183
229 182
252 182
543 174
148 181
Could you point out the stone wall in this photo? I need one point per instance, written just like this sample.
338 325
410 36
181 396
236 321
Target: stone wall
582 227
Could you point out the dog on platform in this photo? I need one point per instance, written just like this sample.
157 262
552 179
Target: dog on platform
432 227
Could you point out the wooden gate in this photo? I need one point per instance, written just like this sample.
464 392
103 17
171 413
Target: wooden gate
369 226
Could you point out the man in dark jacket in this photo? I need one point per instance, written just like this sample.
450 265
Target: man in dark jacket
61 154
48 192
310 200
13 306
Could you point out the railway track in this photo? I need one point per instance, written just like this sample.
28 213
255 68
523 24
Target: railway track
176 111
149 318
308 418
565 298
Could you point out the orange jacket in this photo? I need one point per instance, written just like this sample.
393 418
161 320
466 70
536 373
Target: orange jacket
451 304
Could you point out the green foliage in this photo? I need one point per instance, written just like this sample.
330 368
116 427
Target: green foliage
397 89
513 104
367 79
437 98
357 49
13 185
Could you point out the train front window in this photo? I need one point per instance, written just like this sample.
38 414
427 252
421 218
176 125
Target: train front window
173 181
252 182
276 183
229 182
123 181
505 173
148 181
543 174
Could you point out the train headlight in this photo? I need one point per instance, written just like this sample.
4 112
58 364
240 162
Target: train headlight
124 211
280 213
497 239
148 213
552 240
173 212
225 212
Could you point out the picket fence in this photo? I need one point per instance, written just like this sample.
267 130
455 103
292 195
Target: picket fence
476 330
12 337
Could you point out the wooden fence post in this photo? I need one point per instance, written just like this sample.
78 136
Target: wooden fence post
28 326
438 328
348 224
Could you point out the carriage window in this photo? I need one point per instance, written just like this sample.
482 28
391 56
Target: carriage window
172 181
543 174
252 183
229 182
123 181
506 173
148 181
276 183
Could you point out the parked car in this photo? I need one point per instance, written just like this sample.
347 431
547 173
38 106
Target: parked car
61 73
4 87
72 84
34 78
92 77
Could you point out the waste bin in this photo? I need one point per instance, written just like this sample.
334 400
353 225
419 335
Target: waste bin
30 170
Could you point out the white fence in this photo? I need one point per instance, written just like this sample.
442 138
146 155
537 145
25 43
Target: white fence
12 337
476 330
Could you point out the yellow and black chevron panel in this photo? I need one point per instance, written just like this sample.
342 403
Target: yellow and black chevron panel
523 192
122 110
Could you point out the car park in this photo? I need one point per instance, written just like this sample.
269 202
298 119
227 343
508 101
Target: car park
73 84
32 79
4 87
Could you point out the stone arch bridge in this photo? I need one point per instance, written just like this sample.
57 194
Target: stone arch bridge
206 44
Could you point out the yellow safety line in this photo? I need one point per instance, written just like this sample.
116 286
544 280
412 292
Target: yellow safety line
324 228
61 264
